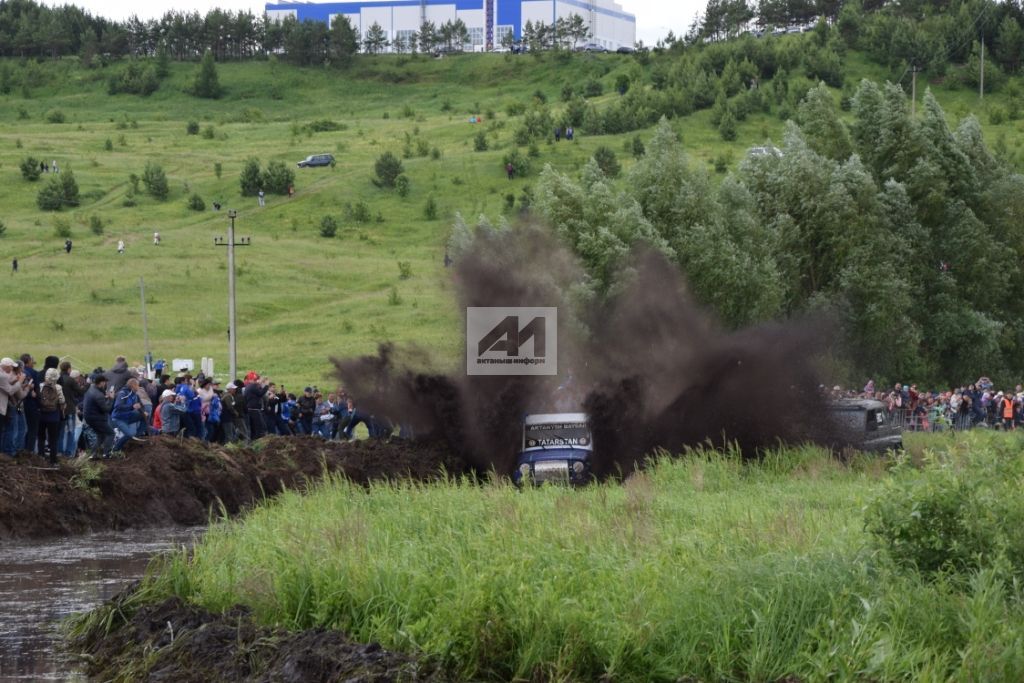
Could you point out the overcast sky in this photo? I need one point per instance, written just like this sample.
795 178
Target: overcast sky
654 18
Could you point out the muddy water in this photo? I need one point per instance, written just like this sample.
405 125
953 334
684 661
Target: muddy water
42 582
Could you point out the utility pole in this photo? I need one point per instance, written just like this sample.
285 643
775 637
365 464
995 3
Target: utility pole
913 89
230 243
145 325
981 79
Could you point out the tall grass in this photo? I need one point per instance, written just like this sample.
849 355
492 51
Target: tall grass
702 567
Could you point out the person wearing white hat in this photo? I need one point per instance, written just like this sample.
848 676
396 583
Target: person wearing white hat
14 386
172 407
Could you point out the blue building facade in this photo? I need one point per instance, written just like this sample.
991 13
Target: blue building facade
487 20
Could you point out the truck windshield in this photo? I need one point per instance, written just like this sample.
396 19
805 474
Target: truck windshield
557 434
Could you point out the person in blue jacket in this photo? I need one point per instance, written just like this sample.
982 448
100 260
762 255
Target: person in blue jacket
127 415
193 418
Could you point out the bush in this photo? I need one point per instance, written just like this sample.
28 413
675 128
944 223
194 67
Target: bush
358 212
192 128
593 88
515 109
328 226
61 228
207 84
55 116
404 270
278 178
251 177
520 163
430 209
196 203
218 168
155 181
108 145
30 169
638 147
727 126
480 142
136 79
325 126
95 225
402 185
388 167
622 84
3 229
59 192
953 516
607 161
208 133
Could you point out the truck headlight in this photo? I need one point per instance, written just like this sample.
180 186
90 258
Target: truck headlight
578 467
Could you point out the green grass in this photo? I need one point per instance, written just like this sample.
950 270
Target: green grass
700 567
302 298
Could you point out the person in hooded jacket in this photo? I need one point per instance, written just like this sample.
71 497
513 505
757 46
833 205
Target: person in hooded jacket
96 413
118 374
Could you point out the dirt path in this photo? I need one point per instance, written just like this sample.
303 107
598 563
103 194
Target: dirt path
165 481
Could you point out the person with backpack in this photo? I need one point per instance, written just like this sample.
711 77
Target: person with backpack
52 406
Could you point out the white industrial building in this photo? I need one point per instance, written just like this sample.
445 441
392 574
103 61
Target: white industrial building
487 20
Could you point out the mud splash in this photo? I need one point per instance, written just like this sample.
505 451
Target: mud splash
653 369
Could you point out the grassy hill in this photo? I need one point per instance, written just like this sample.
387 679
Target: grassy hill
302 297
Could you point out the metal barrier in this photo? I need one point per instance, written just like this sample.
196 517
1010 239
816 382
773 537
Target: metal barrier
934 423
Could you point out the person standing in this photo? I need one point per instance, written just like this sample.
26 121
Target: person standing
73 394
120 246
14 265
262 201
156 239
307 408
52 406
30 406
56 169
67 246
13 388
96 413
253 395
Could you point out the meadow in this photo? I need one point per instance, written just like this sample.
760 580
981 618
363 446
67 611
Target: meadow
701 567
302 297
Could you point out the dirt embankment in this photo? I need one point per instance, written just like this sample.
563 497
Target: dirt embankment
167 482
185 643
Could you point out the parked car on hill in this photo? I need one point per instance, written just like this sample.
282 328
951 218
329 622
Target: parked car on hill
316 160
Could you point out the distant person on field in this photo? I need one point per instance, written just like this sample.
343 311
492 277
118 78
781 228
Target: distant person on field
156 239
120 246
14 265
291 191
56 169
43 167
510 170
67 246
259 197
569 132
558 133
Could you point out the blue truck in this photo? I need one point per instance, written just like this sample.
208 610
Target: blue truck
556 448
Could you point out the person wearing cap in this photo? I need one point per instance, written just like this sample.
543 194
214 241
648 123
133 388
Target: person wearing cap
172 408
307 409
96 413
13 388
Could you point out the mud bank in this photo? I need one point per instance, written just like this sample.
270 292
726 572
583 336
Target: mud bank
166 482
173 641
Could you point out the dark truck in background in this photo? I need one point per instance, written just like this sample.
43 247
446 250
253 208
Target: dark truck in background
864 424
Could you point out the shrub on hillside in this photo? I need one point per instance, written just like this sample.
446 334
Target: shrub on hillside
155 181
30 169
480 142
95 225
388 167
251 177
135 79
3 229
278 178
55 116
207 84
607 161
593 88
61 228
192 128
402 185
328 226
61 191
520 163
196 203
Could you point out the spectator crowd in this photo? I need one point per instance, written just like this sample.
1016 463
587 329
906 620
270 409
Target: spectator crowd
60 411
980 404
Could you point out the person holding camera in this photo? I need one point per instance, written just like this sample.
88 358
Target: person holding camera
14 386
172 408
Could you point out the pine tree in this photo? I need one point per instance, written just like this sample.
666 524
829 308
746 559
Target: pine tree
206 84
